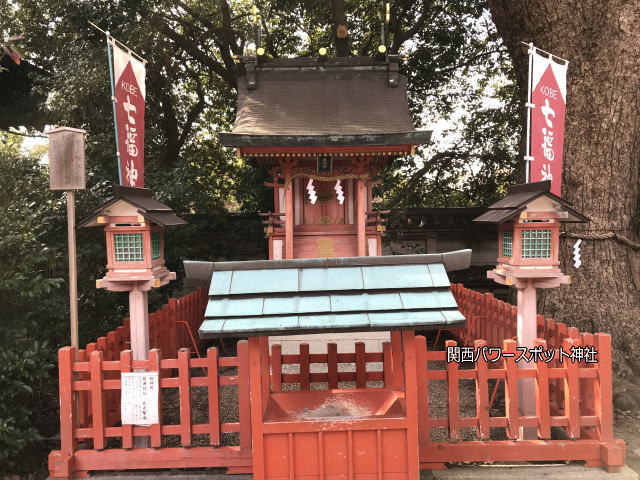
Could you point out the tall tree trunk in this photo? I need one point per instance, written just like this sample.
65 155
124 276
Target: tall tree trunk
601 39
340 30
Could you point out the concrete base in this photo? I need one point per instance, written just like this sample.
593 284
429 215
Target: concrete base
555 472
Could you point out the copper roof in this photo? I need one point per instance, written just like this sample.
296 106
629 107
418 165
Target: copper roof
141 198
517 199
330 295
302 102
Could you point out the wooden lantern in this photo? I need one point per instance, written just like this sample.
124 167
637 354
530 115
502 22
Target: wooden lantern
134 225
528 220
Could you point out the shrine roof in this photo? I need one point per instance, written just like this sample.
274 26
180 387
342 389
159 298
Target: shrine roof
520 196
335 294
144 203
335 102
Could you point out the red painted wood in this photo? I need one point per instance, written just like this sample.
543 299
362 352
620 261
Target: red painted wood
304 367
361 218
185 396
244 400
66 357
422 391
213 395
125 367
396 354
387 363
276 367
511 389
361 365
156 430
453 388
571 390
482 392
255 380
97 400
542 395
332 365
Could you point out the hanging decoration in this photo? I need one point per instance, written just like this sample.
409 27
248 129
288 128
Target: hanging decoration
312 192
576 254
339 192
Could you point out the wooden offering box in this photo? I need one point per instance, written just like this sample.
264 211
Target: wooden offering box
339 433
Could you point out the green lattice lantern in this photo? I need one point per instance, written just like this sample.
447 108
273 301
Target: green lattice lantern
134 224
529 220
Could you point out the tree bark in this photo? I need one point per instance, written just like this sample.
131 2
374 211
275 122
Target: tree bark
601 153
340 30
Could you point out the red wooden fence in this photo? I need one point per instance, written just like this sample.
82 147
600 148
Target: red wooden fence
171 328
573 399
109 445
494 320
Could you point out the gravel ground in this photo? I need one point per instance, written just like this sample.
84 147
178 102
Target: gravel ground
438 405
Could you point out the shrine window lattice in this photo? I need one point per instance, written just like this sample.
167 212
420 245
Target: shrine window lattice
536 243
507 243
128 247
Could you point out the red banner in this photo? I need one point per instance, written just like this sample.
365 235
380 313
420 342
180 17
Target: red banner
548 96
129 75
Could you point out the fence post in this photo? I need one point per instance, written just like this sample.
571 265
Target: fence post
244 399
156 429
66 358
482 392
571 390
332 364
304 367
424 435
361 365
173 314
542 393
214 396
185 396
276 367
126 358
454 395
386 365
97 399
511 397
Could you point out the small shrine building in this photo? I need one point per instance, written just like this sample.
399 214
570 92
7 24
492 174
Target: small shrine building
324 128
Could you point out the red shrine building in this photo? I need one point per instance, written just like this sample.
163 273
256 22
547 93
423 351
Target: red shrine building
324 128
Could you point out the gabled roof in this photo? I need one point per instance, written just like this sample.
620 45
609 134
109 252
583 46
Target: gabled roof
521 195
337 294
141 199
309 102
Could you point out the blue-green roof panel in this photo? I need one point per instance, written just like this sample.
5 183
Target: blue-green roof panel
220 283
264 281
350 294
345 278
296 305
396 276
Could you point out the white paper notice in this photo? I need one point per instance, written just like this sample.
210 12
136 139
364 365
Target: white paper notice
140 398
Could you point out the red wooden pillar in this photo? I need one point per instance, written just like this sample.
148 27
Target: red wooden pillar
361 217
288 215
257 401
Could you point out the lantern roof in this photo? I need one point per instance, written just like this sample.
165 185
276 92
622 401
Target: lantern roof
310 102
531 197
138 201
332 294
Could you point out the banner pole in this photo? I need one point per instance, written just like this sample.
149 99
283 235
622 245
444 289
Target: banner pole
530 106
113 103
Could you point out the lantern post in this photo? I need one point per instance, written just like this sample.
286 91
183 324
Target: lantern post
528 221
67 172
